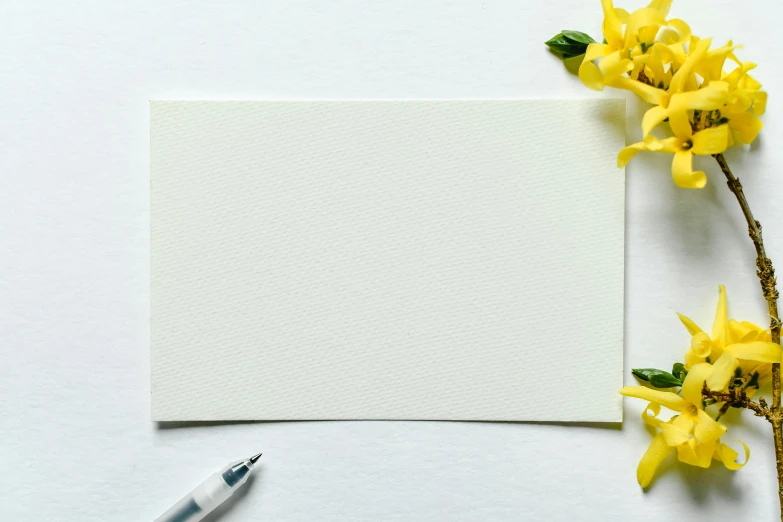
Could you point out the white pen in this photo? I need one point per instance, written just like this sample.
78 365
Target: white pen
211 493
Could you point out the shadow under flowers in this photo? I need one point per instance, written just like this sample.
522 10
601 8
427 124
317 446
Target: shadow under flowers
704 485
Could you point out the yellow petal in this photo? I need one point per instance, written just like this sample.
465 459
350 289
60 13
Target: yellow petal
708 98
686 452
759 102
747 82
662 6
704 453
713 140
734 77
707 430
674 435
694 382
646 92
692 327
710 68
612 26
629 152
614 65
741 102
650 415
622 14
651 459
591 76
645 34
652 67
750 337
696 454
686 420
720 326
746 126
597 50
740 330
722 372
701 344
679 120
760 351
683 73
668 145
666 399
642 26
653 118
663 53
683 174
729 457
588 72
683 30
692 359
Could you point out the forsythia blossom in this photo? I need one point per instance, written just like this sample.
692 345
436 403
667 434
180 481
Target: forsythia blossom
707 108
703 100
734 355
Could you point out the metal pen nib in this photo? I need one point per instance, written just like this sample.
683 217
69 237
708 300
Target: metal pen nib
254 458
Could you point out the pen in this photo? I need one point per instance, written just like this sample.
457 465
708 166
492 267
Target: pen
211 493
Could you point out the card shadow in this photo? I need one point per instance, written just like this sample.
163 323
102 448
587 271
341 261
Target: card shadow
173 425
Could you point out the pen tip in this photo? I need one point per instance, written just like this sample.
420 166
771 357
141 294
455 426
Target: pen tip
255 458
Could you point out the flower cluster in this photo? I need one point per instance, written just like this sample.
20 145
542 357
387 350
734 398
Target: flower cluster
735 357
707 108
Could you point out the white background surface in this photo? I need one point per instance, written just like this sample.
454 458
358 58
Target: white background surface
77 443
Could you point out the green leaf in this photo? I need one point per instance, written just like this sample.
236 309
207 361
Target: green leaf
664 380
569 44
643 373
679 371
578 37
562 46
658 378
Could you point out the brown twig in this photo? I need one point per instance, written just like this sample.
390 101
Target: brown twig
737 398
766 274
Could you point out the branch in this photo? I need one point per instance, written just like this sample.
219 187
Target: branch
737 398
766 274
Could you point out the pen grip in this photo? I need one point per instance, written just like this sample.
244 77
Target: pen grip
199 502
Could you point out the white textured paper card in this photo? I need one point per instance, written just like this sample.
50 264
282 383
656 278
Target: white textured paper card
387 260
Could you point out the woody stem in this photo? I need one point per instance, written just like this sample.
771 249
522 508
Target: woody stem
766 274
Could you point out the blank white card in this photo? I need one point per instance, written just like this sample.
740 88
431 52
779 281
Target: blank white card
454 260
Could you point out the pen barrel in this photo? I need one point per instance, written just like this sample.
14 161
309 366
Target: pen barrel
200 502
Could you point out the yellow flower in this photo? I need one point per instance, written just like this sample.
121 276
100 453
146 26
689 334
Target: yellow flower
707 108
712 97
753 374
732 342
747 103
683 145
710 66
682 80
735 353
694 434
626 36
